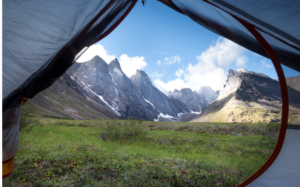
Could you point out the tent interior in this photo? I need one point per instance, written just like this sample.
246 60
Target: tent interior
42 39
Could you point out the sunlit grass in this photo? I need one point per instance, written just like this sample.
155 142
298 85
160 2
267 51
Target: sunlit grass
70 152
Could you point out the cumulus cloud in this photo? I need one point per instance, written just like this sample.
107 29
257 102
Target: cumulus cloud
223 53
210 68
179 73
170 85
128 64
94 50
169 60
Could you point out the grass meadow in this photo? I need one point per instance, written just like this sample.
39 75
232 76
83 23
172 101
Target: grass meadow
64 152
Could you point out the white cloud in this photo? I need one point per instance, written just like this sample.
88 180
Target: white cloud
156 75
94 50
179 73
128 64
169 60
223 53
209 70
170 85
264 64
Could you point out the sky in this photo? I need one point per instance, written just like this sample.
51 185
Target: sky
175 51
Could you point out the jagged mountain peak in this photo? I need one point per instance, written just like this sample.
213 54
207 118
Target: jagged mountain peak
141 73
96 63
140 77
242 70
194 101
167 107
202 88
231 73
186 90
115 64
208 93
97 60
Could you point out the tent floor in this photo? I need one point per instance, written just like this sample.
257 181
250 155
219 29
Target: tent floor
285 171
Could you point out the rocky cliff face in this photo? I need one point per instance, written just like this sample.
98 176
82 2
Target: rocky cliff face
164 104
294 82
65 99
95 81
194 101
240 79
130 102
247 97
135 97
107 84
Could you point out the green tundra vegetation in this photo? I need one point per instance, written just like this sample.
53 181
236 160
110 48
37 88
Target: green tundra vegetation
65 152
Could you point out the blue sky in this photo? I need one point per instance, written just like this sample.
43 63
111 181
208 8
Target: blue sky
175 51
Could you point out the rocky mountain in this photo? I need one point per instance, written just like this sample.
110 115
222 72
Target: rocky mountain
248 97
107 84
135 96
192 99
63 99
294 82
163 104
130 102
208 93
95 81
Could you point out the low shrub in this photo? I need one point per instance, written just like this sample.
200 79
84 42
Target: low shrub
25 120
117 131
272 131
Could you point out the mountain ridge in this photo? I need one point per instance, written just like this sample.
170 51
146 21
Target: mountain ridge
248 97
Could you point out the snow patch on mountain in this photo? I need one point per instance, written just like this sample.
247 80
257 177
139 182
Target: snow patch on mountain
167 116
149 102
193 112
105 102
179 115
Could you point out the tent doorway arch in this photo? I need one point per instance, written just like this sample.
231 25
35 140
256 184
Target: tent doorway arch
105 18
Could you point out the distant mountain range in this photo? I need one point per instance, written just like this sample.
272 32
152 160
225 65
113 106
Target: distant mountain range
251 97
121 96
97 90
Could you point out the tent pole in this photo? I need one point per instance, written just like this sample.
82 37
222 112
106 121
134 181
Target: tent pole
284 97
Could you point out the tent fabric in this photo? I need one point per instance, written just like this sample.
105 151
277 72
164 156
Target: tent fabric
35 31
226 18
276 17
209 14
285 169
41 35
10 135
41 39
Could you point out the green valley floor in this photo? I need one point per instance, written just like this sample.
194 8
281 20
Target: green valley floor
64 152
